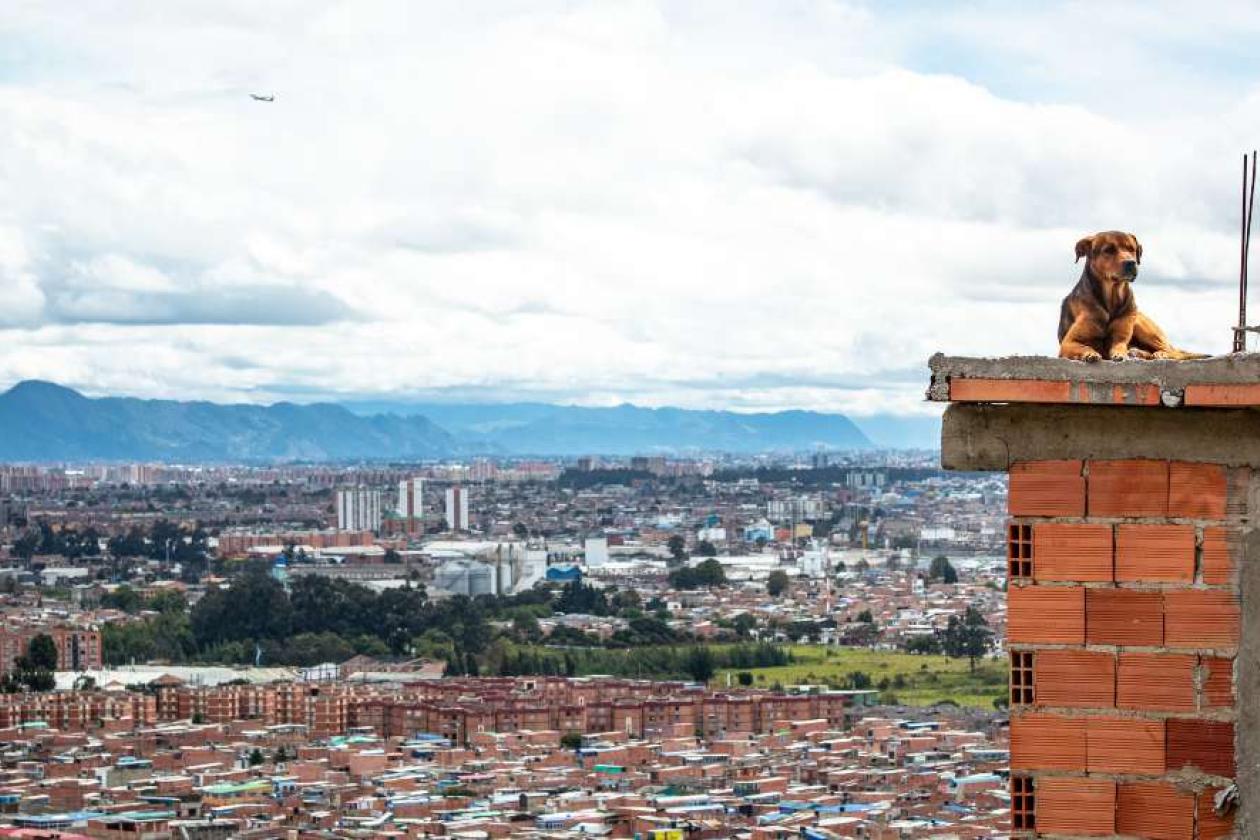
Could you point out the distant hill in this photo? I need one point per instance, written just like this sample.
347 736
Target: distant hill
542 429
893 431
41 421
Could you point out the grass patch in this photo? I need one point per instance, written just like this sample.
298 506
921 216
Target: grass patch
911 679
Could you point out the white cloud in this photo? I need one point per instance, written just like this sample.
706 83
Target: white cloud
781 205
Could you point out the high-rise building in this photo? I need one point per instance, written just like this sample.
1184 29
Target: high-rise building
411 502
457 508
359 509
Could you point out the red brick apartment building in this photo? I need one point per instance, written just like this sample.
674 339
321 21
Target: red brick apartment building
78 648
1133 564
458 709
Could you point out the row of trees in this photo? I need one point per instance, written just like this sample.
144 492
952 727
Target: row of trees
163 540
968 637
694 662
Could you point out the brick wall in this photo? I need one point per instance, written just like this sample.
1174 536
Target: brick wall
1123 628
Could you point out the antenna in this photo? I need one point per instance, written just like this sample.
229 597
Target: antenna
1248 205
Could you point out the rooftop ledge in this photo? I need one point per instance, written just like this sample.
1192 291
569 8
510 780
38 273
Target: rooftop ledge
1231 381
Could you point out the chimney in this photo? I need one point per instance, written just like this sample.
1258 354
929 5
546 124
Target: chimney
1133 606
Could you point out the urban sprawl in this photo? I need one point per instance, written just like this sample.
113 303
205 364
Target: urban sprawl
671 649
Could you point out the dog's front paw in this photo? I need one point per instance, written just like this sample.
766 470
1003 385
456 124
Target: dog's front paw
1091 356
1118 357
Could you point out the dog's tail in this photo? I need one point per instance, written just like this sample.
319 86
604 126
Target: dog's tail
1182 355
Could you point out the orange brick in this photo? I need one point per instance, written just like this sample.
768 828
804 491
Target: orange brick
1074 678
1205 744
1071 552
1135 394
1238 480
1047 742
1048 614
1218 681
1046 488
1124 745
1156 682
1223 395
1201 618
1155 553
1220 549
1124 617
1009 390
1212 826
1196 491
1128 488
1154 810
1076 806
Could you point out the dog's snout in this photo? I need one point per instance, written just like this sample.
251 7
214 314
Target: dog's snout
1129 266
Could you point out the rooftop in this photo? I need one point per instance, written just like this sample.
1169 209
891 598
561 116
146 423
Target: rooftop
1220 382
1028 408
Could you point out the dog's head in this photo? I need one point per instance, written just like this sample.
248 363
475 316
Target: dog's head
1111 255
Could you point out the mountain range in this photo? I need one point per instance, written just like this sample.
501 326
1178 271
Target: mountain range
42 421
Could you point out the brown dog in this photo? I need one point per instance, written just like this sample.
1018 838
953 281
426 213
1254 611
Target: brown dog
1099 318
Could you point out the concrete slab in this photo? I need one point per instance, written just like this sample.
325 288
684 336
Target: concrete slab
992 437
1027 378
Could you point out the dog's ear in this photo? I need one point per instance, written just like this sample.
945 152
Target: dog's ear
1083 247
1137 248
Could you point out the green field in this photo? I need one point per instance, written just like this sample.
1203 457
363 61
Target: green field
911 680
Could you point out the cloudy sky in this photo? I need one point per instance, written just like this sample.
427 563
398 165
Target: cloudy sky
751 205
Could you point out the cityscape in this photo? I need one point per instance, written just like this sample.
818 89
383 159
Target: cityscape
550 647
628 419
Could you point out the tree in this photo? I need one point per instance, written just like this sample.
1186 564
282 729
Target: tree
24 547
745 678
256 757
42 653
707 574
865 617
571 740
744 624
520 530
706 549
627 603
699 664
858 680
525 628
677 548
123 598
392 557
969 637
256 607
942 570
777 583
168 601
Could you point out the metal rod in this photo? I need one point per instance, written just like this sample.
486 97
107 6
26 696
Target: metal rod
1239 335
1251 212
1248 210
